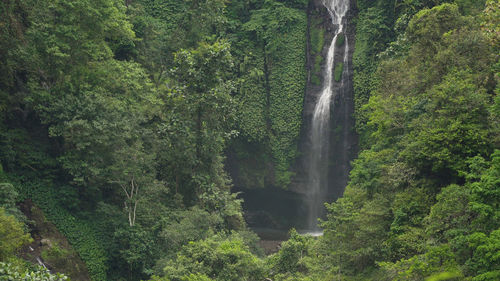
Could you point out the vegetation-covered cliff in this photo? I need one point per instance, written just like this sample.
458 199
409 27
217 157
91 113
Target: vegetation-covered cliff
119 120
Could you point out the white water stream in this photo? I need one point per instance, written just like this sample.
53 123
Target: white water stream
318 164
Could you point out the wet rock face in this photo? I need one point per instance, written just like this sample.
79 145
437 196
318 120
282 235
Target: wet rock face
342 145
50 248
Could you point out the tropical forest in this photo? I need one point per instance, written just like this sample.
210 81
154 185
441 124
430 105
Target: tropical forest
249 140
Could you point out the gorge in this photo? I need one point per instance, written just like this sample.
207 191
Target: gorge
202 140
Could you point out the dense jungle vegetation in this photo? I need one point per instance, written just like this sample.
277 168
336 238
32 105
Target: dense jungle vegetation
116 119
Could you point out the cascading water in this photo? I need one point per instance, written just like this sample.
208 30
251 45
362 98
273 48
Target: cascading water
320 133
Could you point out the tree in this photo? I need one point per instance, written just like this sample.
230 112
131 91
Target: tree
203 113
218 257
290 258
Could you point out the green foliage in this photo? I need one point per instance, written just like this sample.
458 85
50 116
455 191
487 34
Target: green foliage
357 229
279 93
217 257
55 256
456 97
103 80
252 104
489 22
407 236
485 199
8 200
317 70
287 83
192 225
118 113
437 259
9 272
298 4
445 276
317 35
339 69
289 259
372 34
317 41
20 150
449 217
340 40
203 93
485 260
12 235
80 232
413 209
369 168
428 25
8 195
187 23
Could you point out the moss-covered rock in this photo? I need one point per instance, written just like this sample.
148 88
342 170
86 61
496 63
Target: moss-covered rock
339 69
340 40
51 245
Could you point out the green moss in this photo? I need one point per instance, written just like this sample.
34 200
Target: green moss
340 40
317 35
339 69
317 64
317 40
316 80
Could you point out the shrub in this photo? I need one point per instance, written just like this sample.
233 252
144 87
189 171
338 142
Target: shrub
10 272
12 236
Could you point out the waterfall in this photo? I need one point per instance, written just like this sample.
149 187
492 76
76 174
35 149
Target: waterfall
320 129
